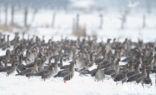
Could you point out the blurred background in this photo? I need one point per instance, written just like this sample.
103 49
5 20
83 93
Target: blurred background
102 18
84 5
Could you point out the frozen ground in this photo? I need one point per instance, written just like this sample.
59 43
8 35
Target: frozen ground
12 85
111 25
77 86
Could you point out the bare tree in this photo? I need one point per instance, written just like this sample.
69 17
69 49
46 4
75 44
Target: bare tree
12 14
78 30
124 19
101 21
77 21
0 15
6 15
144 21
25 16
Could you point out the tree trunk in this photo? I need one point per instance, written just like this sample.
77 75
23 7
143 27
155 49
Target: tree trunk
0 15
144 21
101 21
6 15
77 22
25 17
12 14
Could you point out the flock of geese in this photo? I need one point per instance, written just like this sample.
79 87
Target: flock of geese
123 62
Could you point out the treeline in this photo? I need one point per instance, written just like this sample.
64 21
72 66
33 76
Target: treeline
144 5
58 4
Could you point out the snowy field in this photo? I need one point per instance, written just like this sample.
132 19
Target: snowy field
77 86
41 23
13 85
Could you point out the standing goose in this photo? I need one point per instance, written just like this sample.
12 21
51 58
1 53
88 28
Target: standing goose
132 72
51 71
67 73
137 75
12 69
147 80
116 68
122 76
6 58
20 66
9 69
113 69
29 71
140 78
99 75
81 62
154 64
45 74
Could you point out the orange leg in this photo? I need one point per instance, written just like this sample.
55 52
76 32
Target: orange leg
142 85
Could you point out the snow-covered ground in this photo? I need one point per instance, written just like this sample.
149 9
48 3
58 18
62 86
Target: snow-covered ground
41 23
77 86
13 85
111 24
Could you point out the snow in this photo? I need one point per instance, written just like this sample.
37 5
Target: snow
111 25
78 86
84 85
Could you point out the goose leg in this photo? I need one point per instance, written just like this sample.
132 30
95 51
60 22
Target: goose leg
65 81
